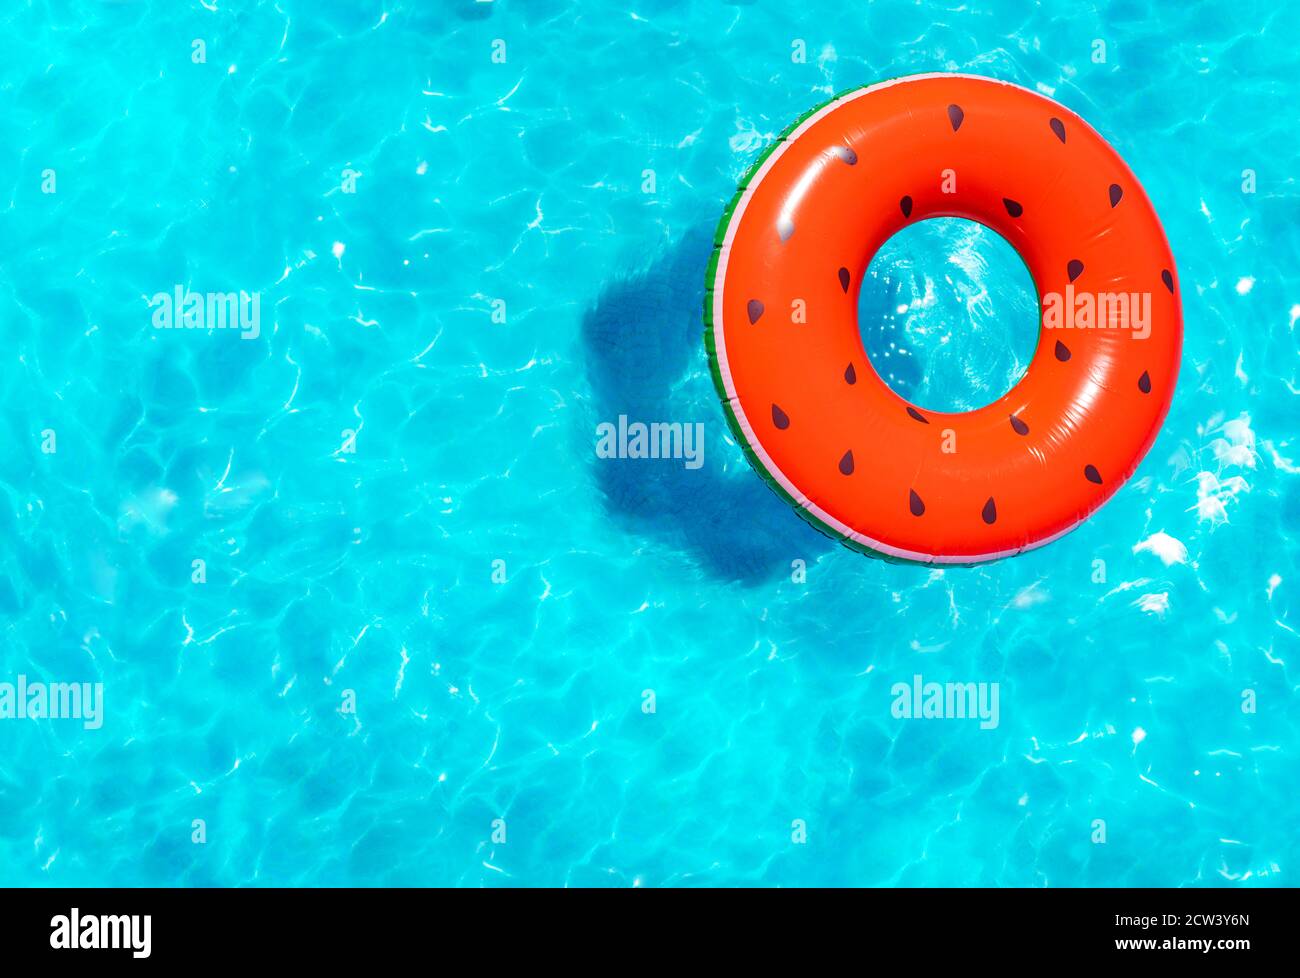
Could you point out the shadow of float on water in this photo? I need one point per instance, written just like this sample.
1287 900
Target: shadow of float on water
644 347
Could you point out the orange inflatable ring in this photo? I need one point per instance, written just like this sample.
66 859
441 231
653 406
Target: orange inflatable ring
882 475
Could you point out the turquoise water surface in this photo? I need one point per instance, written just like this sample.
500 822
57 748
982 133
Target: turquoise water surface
419 646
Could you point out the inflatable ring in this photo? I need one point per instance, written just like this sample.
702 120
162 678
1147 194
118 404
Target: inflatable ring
859 462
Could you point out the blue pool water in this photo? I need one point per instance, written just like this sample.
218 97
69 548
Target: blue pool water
493 597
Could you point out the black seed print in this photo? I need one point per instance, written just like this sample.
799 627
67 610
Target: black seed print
990 512
914 503
1062 351
1018 426
1074 269
955 116
755 310
906 205
850 375
844 279
1091 474
780 418
1058 127
917 415
1116 194
1144 383
846 463
1013 207
1167 277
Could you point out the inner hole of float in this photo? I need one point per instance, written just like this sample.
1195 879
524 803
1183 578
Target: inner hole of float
948 314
